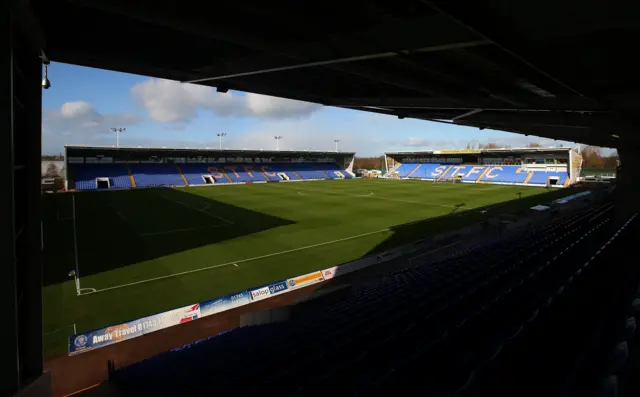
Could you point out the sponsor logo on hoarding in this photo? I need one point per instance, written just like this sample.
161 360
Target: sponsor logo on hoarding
260 293
192 313
221 304
277 287
80 341
305 279
236 297
330 273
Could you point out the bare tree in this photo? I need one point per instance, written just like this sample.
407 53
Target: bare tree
52 171
369 163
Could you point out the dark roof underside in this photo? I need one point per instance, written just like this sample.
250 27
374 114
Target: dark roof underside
88 151
561 70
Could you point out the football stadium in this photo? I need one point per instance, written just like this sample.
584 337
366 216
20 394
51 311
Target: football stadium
199 224
169 268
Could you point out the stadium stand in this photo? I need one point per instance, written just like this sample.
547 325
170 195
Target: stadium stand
148 175
405 169
542 178
429 171
243 173
194 173
523 315
506 174
86 175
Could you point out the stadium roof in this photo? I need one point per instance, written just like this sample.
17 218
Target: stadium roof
493 150
553 69
81 150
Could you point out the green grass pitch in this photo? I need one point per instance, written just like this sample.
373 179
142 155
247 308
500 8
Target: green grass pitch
148 250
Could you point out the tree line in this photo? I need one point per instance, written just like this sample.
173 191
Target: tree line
592 158
369 163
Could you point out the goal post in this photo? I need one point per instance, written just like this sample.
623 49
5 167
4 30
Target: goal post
455 179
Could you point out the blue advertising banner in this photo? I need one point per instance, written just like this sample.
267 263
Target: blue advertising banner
224 303
267 291
118 333
277 288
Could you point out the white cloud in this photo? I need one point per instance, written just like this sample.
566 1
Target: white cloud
78 109
78 122
415 142
170 101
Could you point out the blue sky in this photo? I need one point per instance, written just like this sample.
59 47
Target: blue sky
83 103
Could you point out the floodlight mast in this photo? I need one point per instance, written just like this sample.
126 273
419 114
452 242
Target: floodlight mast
118 130
220 135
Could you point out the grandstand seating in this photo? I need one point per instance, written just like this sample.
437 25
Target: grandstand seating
405 169
505 174
194 172
486 174
429 171
515 316
85 175
542 178
243 173
146 175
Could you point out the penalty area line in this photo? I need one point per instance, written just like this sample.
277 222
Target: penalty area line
234 263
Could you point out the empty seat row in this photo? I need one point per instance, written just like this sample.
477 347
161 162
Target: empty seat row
482 173
148 175
85 176
88 176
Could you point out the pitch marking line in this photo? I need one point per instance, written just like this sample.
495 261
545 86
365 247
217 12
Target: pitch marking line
75 242
203 210
378 197
178 230
235 263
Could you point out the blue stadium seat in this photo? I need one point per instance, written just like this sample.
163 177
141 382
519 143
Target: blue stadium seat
481 173
85 175
505 174
429 171
194 173
147 175
405 169
243 173
274 168
169 175
542 178
473 172
456 170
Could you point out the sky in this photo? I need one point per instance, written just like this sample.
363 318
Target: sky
84 103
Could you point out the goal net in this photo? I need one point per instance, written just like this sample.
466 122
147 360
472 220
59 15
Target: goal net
455 179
